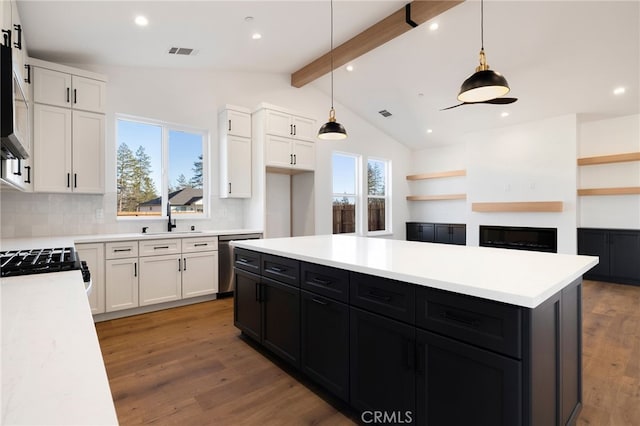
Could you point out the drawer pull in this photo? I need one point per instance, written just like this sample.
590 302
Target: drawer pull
243 260
379 296
160 247
321 282
470 322
318 301
120 250
200 244
276 269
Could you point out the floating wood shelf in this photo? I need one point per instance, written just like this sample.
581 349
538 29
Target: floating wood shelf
437 175
610 191
607 159
436 197
529 206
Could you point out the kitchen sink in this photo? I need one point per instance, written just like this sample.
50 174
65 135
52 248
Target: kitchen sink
172 233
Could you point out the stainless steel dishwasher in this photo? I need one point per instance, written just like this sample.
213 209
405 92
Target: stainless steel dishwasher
225 261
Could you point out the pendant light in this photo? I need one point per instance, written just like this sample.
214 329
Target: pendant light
484 84
332 130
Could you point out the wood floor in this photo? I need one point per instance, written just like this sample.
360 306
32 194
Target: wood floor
188 366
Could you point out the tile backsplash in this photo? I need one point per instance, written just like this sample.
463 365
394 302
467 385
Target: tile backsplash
42 215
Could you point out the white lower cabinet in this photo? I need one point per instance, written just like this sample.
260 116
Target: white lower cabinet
199 274
121 284
93 254
160 279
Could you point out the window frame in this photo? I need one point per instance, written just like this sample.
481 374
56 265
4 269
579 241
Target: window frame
166 127
388 229
358 191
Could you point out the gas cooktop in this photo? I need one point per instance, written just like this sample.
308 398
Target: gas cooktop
38 261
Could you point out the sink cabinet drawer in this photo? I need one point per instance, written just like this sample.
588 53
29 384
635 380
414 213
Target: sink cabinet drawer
247 260
194 245
281 269
121 249
325 281
491 325
157 247
384 296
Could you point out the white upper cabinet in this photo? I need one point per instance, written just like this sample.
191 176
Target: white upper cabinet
234 125
280 123
66 90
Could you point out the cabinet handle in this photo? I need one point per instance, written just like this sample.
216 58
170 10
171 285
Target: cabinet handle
184 261
291 129
135 269
295 159
28 174
321 302
379 296
28 79
257 292
68 180
294 130
275 269
18 29
321 282
160 247
200 244
179 265
68 94
229 187
75 96
19 172
470 322
243 260
411 355
75 180
121 250
290 158
229 125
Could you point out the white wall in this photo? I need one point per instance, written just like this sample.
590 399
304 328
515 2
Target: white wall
606 137
528 162
193 98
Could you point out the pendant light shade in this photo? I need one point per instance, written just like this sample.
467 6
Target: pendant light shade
484 84
332 130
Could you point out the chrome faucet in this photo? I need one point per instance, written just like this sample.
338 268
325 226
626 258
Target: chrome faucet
170 225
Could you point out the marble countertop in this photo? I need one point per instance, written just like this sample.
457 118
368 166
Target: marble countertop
523 278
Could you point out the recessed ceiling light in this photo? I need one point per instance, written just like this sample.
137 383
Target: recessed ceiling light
429 131
141 21
504 114
256 36
421 94
349 68
434 26
619 90
248 18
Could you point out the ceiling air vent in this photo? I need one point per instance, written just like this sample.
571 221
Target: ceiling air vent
385 113
181 51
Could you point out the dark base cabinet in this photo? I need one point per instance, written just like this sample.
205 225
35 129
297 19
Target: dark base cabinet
619 253
444 233
399 353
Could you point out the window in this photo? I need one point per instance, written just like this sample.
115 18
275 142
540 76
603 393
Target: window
158 163
378 204
345 192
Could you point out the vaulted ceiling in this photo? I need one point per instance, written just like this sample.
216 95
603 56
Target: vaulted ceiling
559 57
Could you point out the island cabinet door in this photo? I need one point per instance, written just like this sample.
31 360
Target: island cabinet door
460 384
247 312
325 342
382 366
281 320
595 242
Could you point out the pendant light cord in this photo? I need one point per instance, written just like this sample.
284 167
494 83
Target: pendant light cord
331 54
482 24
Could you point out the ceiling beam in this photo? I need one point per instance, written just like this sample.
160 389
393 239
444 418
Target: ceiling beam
419 12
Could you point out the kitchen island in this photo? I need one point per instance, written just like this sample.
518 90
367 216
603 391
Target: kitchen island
420 333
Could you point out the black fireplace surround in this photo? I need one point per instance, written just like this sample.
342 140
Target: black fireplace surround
519 238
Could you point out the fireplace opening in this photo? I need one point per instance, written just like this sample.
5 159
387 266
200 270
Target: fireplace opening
519 238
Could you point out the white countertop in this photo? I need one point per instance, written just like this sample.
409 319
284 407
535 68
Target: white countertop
523 278
52 368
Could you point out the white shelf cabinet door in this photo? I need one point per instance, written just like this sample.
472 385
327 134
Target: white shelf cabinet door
199 274
51 87
304 155
93 255
121 284
88 152
304 128
52 149
160 279
238 183
278 123
278 152
88 94
237 123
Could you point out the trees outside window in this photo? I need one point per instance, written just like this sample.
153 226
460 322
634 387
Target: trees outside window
345 193
377 199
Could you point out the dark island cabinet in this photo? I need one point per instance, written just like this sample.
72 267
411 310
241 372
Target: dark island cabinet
382 365
444 233
325 342
618 250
